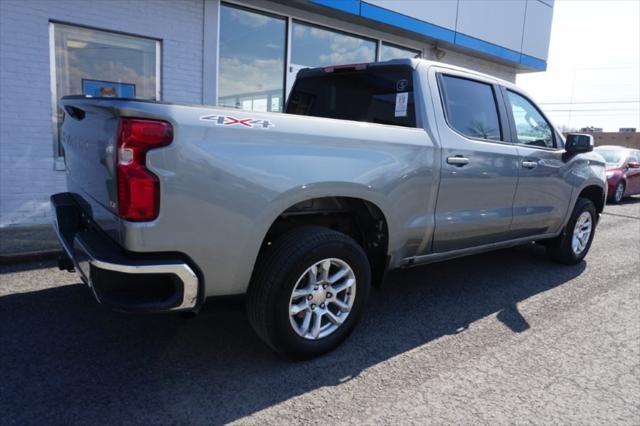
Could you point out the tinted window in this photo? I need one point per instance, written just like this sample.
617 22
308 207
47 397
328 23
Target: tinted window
251 73
377 95
531 127
313 46
633 158
471 107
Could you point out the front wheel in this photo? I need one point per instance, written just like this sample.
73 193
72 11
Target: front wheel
575 240
308 291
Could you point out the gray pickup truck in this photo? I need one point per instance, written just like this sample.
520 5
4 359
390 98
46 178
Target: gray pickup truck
373 167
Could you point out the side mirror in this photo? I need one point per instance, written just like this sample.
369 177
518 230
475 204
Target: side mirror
633 165
578 143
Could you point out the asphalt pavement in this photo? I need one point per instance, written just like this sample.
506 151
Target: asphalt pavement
503 337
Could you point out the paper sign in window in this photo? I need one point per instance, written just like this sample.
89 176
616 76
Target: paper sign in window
402 99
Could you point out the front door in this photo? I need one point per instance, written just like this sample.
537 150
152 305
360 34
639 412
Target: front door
633 173
479 170
543 195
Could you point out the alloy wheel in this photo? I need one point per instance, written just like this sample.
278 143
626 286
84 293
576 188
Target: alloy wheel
322 298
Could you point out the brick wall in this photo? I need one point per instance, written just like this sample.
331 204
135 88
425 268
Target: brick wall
630 140
27 175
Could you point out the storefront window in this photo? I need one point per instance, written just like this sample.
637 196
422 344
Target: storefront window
252 60
99 63
313 46
389 51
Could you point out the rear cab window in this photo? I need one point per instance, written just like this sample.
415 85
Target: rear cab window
374 94
470 107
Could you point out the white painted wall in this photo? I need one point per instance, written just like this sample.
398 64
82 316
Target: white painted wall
535 41
439 12
520 25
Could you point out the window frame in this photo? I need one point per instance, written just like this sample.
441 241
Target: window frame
503 123
558 145
57 155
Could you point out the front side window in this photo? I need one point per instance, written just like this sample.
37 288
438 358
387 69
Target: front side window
252 52
390 51
313 46
99 63
531 127
381 95
471 107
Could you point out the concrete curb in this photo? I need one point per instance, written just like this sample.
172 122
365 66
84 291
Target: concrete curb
12 259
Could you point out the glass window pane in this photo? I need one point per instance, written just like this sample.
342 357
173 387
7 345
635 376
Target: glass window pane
313 46
252 49
531 127
389 52
100 63
471 108
381 95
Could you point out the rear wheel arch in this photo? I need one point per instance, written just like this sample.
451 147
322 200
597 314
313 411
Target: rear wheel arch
361 219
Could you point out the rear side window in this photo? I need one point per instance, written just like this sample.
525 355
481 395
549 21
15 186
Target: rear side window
382 95
471 107
531 127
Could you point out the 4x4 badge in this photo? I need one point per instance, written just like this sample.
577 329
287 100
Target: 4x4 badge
227 120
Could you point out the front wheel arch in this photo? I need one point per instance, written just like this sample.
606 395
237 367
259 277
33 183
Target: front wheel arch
596 194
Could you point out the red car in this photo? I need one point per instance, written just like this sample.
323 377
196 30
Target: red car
623 171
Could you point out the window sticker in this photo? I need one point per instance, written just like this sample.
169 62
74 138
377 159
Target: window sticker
402 99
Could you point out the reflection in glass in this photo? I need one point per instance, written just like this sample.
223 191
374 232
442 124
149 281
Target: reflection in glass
389 51
313 46
252 49
471 107
99 63
531 127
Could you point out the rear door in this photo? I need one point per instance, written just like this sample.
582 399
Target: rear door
479 170
542 198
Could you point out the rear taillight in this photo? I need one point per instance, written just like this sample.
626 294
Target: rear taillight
138 188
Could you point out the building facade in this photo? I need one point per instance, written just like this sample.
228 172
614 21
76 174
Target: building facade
237 53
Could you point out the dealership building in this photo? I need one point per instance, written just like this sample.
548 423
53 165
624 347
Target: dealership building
237 53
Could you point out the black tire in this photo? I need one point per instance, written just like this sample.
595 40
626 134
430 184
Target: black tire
615 198
559 249
276 274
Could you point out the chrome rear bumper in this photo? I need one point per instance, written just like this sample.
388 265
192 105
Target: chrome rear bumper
124 280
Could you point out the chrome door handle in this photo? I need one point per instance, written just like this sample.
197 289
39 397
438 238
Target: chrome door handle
458 160
529 164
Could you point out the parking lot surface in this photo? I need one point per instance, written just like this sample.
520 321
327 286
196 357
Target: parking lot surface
500 337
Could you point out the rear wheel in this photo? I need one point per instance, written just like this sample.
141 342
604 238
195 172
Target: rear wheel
618 193
574 242
308 291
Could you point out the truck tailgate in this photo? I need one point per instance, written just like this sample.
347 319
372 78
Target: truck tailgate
88 137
